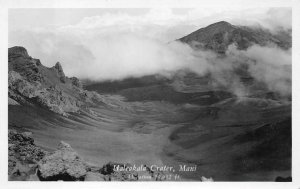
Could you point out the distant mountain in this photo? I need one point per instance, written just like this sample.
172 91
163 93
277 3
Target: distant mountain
220 35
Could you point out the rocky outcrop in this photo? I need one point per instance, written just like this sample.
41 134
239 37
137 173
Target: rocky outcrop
29 162
17 52
76 82
29 82
20 90
57 101
18 86
23 155
59 71
26 161
23 145
64 164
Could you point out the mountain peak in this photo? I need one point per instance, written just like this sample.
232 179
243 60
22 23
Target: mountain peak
58 66
220 23
18 51
60 72
59 69
220 35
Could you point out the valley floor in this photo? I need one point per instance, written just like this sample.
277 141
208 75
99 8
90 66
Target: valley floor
234 140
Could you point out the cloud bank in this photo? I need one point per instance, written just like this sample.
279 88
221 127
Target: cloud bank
117 46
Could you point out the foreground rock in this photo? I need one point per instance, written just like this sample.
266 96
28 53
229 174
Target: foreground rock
64 164
23 155
29 162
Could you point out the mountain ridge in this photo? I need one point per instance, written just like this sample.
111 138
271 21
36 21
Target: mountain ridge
218 36
30 82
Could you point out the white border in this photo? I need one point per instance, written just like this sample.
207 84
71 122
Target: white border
4 183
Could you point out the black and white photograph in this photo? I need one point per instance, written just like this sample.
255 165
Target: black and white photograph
159 94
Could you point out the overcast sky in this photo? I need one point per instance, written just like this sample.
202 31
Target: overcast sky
90 42
172 22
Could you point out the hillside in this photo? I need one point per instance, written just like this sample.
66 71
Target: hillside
30 82
220 35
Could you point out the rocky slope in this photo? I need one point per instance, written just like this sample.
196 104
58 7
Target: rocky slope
220 35
23 155
29 82
29 162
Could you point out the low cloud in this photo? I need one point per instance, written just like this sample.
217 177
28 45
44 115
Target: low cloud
104 48
270 65
112 56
